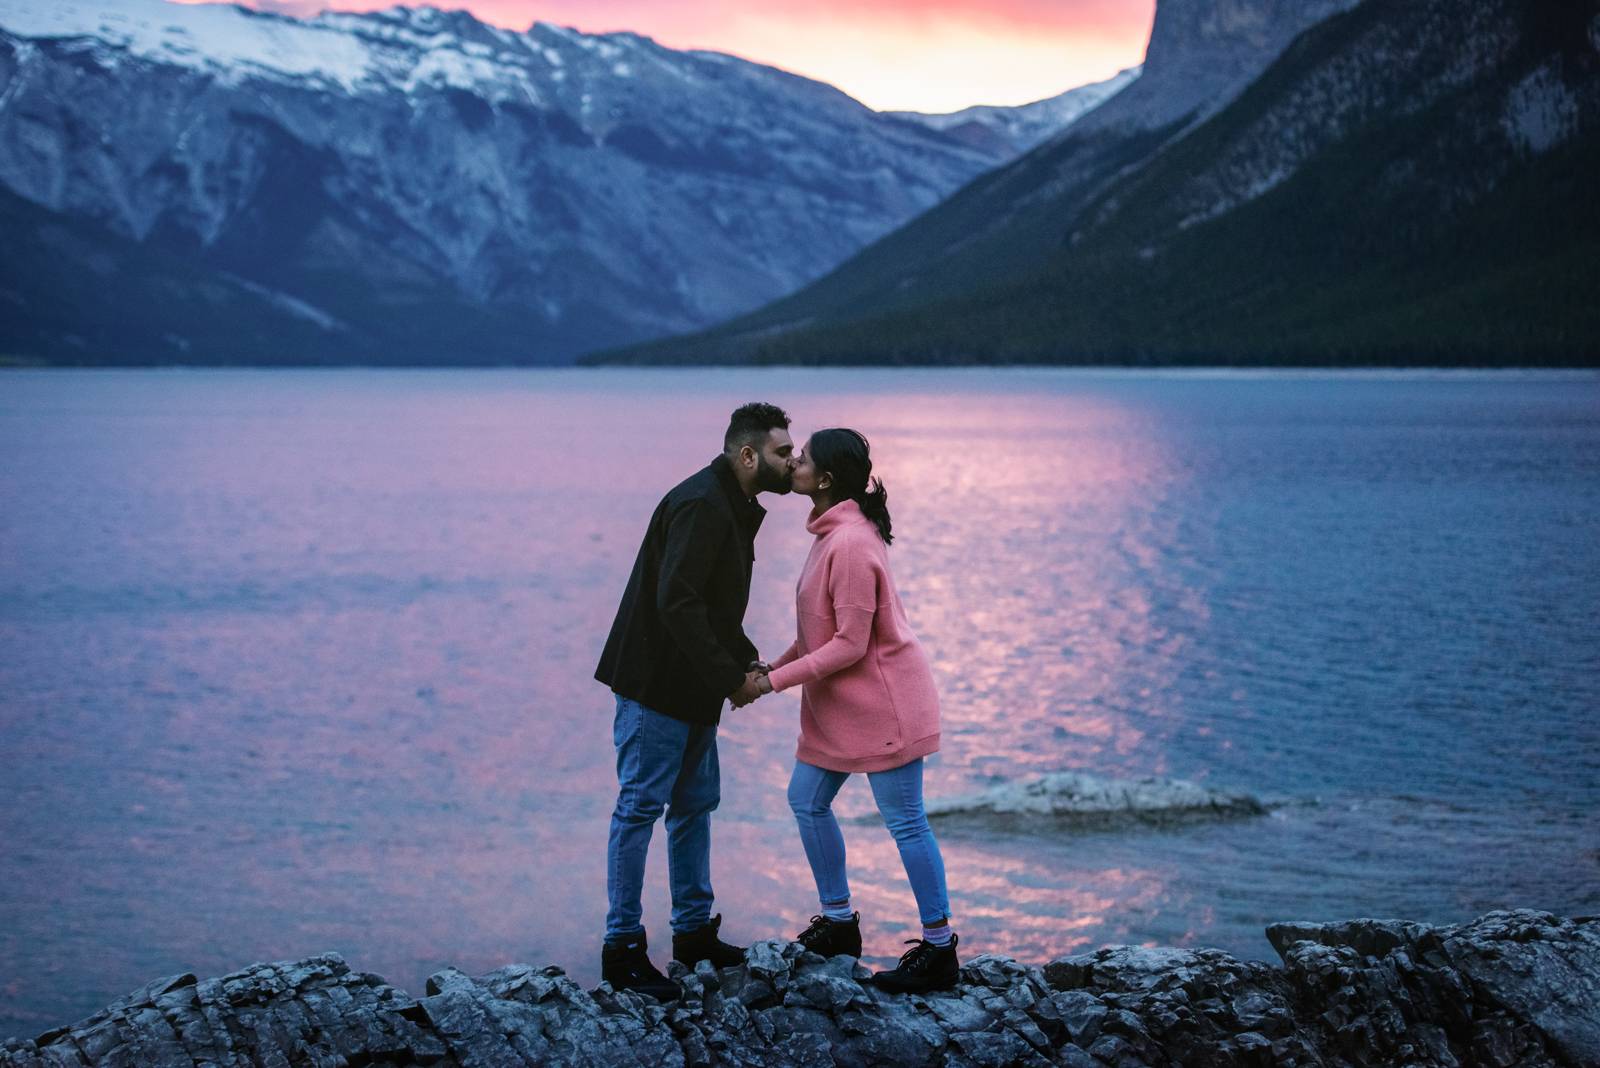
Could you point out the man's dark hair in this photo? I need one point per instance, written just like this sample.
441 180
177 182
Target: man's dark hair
750 425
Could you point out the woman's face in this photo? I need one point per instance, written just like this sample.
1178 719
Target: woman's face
806 476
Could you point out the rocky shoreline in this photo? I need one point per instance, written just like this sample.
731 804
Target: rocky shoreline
1510 988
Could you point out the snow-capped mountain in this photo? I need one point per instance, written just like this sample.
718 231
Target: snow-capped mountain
416 184
1017 129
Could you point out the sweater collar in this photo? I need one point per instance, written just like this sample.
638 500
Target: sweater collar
842 514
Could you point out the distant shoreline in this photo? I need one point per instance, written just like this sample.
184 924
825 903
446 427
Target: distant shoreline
1214 371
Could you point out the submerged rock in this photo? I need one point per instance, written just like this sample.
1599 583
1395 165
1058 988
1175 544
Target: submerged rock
1090 802
1511 988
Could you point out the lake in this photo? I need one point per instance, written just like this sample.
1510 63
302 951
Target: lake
298 661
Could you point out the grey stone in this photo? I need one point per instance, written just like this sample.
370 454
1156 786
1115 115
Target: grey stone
893 1039
1070 973
994 1049
824 992
1019 1024
706 974
1075 1057
957 1014
805 1050
765 960
1082 1015
997 973
1370 938
1513 988
1108 1048
1021 996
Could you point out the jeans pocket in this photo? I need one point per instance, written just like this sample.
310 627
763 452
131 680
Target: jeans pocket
625 723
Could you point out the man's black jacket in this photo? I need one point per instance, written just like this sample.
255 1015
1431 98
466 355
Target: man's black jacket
678 643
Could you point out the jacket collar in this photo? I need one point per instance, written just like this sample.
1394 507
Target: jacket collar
749 512
845 513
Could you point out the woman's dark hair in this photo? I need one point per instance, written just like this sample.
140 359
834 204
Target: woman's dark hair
846 456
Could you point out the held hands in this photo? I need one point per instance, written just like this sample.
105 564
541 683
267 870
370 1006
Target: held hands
763 684
755 684
747 692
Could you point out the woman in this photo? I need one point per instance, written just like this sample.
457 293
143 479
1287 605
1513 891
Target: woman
867 704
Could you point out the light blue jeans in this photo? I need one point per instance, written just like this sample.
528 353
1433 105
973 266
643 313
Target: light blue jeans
663 764
898 793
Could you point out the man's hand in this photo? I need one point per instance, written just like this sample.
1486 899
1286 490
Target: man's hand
747 692
761 666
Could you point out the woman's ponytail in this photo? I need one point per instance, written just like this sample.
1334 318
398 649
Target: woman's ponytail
874 502
846 455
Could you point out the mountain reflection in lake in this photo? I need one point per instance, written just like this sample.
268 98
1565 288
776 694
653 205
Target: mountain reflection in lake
298 662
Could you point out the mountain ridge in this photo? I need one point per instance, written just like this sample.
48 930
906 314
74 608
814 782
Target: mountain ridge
555 191
1367 199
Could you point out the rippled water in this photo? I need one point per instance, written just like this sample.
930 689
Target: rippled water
294 662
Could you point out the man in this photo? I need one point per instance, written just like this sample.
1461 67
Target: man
677 650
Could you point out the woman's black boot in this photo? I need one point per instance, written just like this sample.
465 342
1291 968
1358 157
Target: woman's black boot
924 967
833 937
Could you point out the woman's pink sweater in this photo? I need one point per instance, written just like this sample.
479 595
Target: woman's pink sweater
867 701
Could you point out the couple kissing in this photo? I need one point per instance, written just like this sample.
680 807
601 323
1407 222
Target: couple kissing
677 652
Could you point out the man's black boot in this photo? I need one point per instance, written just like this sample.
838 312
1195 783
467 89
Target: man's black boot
925 967
833 937
626 966
703 944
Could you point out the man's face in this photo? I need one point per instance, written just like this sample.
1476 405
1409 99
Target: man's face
775 463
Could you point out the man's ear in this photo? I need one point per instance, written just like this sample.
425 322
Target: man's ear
747 454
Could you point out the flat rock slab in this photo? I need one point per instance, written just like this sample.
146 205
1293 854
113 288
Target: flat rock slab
1079 801
1510 988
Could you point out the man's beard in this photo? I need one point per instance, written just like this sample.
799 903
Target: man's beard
771 479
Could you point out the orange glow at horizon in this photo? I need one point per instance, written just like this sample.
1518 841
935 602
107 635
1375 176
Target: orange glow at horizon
935 56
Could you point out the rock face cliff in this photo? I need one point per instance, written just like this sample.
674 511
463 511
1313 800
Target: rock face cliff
1203 53
415 185
1512 988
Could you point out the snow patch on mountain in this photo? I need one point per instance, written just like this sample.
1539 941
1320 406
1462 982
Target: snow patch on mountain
1541 112
1025 126
396 49
226 41
291 304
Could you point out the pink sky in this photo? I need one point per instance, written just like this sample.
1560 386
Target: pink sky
938 55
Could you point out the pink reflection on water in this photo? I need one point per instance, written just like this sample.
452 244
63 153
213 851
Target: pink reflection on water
1031 648
350 667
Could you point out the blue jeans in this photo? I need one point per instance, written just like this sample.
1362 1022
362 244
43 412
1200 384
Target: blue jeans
898 793
662 764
